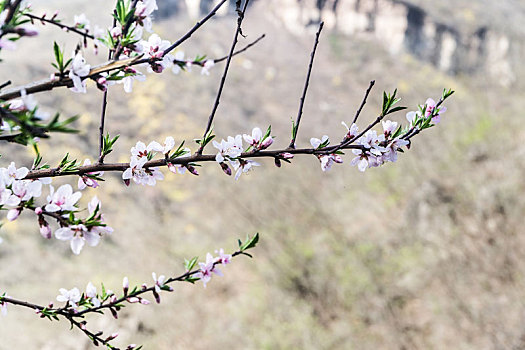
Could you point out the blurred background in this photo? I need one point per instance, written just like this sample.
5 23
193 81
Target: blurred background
426 253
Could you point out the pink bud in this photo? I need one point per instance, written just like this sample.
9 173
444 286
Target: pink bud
226 169
45 231
114 313
38 211
267 142
172 168
125 285
287 155
337 158
157 296
192 170
144 301
133 300
111 337
144 286
13 214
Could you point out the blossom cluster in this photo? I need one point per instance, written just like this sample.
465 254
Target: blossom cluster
232 148
209 267
141 153
130 39
377 149
17 194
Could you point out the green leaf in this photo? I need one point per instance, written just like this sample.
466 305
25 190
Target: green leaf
250 242
190 264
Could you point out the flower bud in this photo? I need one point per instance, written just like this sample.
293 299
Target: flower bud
267 142
125 285
144 301
45 231
157 296
38 211
286 155
114 313
226 169
192 170
13 214
111 337
277 162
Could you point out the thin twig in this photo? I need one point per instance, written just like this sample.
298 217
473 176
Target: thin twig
195 27
104 107
125 30
307 82
61 26
7 83
238 31
363 103
241 50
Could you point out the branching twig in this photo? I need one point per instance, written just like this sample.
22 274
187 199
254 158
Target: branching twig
363 103
68 313
194 29
307 82
84 34
238 32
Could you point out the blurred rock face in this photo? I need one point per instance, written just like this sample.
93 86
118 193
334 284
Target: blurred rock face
400 25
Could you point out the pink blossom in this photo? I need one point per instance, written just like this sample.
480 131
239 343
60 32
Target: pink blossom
351 131
389 127
85 181
143 13
62 199
223 258
430 109
12 173
361 160
243 166
206 270
232 148
254 138
77 235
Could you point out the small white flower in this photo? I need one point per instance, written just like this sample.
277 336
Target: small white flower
79 69
91 292
316 143
243 166
81 22
71 296
231 148
207 66
255 137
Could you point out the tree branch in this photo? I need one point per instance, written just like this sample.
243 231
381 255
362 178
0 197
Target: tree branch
307 82
225 73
